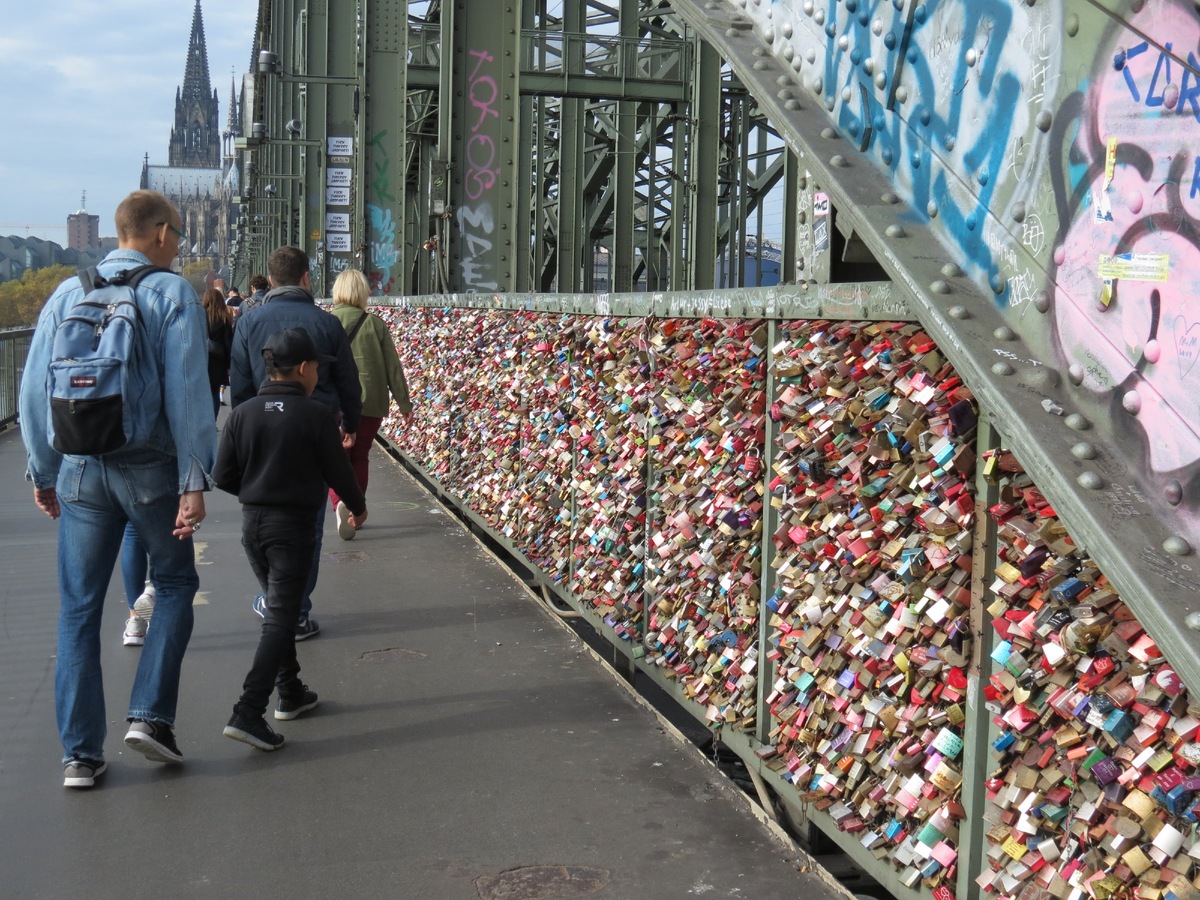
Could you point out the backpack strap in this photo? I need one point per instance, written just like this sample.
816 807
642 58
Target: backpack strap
91 278
357 326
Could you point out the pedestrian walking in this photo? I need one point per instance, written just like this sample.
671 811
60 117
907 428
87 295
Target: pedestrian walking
380 376
290 304
277 454
155 481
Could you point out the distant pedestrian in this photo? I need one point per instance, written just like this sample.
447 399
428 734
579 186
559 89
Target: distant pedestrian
233 298
258 293
380 376
290 304
278 453
220 344
157 485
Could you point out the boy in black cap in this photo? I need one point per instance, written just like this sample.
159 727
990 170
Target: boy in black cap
278 453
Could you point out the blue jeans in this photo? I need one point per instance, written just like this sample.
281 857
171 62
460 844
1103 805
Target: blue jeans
278 543
98 496
134 570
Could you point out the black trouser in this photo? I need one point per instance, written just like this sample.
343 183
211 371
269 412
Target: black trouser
279 544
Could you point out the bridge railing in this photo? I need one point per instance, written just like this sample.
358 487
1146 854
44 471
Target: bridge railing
14 348
803 526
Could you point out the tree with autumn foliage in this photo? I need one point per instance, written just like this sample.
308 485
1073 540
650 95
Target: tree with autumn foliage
21 300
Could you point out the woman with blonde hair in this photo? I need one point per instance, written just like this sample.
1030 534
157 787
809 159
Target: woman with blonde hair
379 374
220 341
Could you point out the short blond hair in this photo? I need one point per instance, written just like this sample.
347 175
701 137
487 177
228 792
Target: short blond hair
141 213
351 289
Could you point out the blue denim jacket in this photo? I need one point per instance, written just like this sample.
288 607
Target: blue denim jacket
174 344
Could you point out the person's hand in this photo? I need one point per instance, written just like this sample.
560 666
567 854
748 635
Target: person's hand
408 418
357 521
191 514
47 501
347 439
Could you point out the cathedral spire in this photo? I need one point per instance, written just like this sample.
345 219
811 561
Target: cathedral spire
196 137
234 127
196 84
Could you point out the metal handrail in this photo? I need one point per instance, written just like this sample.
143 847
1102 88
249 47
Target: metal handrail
14 349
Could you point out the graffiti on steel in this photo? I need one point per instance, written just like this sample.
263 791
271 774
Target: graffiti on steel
1052 149
385 255
476 220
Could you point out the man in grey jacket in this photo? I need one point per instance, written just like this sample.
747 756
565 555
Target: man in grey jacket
290 304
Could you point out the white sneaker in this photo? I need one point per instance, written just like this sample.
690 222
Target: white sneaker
143 606
135 631
346 531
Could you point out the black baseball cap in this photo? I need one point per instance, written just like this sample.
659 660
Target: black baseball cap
291 347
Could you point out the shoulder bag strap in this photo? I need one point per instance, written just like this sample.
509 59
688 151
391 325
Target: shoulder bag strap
357 325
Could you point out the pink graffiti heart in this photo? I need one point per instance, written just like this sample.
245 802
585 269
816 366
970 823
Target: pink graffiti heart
1187 345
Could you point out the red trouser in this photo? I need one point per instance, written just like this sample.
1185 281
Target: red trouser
368 427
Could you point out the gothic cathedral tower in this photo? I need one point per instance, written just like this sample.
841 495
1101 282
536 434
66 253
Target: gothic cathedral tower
196 137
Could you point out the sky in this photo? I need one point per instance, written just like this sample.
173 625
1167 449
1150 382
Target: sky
89 89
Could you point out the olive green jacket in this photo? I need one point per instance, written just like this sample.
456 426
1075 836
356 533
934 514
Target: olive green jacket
379 370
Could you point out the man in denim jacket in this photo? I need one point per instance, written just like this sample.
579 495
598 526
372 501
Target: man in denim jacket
290 304
157 485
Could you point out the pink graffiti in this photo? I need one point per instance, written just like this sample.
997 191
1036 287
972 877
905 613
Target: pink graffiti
1134 337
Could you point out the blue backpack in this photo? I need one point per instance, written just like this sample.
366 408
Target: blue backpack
90 359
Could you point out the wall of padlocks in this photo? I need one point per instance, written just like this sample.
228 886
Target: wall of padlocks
806 533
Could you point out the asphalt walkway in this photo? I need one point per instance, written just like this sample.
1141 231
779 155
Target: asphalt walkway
467 745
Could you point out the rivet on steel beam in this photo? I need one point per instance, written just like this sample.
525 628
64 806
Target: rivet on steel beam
1002 368
761 65
786 28
1192 621
886 155
828 133
960 312
1177 546
948 142
881 80
1044 120
818 85
1072 25
785 81
1174 493
1041 301
1077 422
788 52
1090 480
952 270
1152 351
902 94
838 161
1137 5
1131 402
830 103
792 104
1075 373
1018 212
1004 333
819 17
998 283
808 7
762 51
810 57
972 56
890 198
1083 450
895 231
797 63
940 287
844 43
877 27
847 96
932 209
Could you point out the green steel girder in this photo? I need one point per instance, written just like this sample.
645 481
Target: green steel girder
668 187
